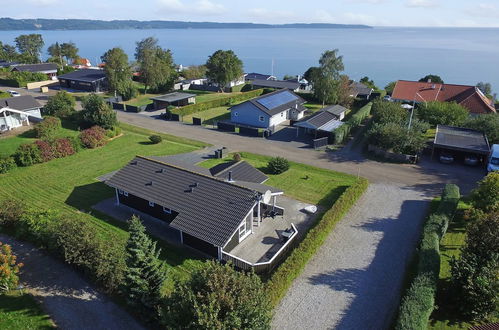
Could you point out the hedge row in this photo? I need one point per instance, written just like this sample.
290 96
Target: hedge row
342 132
288 271
228 100
418 302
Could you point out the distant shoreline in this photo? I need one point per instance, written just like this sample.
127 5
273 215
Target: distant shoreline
10 24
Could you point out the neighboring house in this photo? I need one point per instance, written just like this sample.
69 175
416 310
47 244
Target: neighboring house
5 64
81 63
469 97
176 99
236 82
210 213
269 110
323 121
185 84
258 76
305 85
50 69
17 111
278 84
89 80
360 90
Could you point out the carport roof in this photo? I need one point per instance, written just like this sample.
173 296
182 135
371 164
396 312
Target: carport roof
173 97
461 139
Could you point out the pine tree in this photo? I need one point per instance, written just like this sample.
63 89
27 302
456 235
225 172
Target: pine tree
145 274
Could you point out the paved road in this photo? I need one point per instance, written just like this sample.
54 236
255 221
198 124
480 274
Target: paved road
67 297
354 281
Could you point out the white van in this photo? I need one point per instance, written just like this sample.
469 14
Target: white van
493 158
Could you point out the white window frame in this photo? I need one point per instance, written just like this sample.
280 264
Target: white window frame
261 118
151 204
125 193
120 191
167 210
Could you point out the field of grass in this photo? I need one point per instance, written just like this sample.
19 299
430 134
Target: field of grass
204 96
8 145
20 311
69 184
141 99
302 182
209 116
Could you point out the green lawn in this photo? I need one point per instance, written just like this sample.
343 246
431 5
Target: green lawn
8 145
302 182
141 99
445 317
204 96
70 185
21 312
209 116
314 107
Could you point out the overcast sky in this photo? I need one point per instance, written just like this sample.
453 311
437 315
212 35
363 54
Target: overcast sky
468 13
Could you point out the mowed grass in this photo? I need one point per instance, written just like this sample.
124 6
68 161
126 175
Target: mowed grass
209 117
302 182
141 99
70 186
20 311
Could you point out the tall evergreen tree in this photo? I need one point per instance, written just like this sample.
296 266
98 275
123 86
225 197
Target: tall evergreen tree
145 274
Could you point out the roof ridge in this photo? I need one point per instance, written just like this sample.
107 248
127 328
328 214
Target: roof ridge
192 172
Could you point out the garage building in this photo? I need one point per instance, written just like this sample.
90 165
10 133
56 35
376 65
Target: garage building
460 142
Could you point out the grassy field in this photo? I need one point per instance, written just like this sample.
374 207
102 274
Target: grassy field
70 185
204 96
446 317
141 100
8 145
302 182
21 312
209 116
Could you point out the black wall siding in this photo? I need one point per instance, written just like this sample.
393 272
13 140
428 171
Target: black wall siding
200 245
143 206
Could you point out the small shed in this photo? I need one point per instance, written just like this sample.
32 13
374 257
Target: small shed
176 99
337 110
460 141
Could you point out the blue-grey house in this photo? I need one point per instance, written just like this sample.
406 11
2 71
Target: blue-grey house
269 110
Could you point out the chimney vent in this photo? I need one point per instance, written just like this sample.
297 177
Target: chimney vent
230 177
429 80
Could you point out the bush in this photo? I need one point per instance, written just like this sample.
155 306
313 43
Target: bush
114 132
60 105
21 79
48 128
11 212
93 137
219 297
27 155
225 101
443 113
46 150
97 112
291 268
278 165
486 196
389 112
9 268
127 89
418 302
489 124
393 136
75 142
7 164
341 133
236 157
155 139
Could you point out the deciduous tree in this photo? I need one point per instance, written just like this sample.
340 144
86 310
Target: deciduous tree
69 51
486 196
117 68
443 113
489 124
60 105
30 45
223 66
55 51
194 72
97 112
433 78
326 80
486 88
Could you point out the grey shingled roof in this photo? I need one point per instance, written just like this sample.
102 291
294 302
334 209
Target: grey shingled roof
241 171
211 212
360 89
21 103
461 139
85 75
259 76
336 109
173 97
276 84
40 67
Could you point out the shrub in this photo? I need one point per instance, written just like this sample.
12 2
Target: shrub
76 143
486 196
155 139
236 157
93 137
48 128
394 136
60 105
97 112
46 150
443 113
389 112
7 164
9 268
277 165
62 147
127 89
27 155
10 212
489 124
341 133
219 297
291 268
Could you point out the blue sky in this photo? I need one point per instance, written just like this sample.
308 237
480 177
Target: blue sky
466 13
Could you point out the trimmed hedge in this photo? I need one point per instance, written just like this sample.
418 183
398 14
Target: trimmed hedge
341 133
290 269
418 302
228 100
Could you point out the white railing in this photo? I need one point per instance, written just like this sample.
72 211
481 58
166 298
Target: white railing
259 266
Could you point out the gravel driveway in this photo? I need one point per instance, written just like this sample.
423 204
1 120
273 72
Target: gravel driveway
68 298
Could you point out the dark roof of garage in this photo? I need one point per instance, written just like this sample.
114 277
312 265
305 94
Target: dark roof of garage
461 139
209 208
173 97
241 171
39 67
85 75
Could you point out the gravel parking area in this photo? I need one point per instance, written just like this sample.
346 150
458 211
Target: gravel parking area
354 281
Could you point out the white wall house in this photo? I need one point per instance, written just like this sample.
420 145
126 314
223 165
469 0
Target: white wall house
18 111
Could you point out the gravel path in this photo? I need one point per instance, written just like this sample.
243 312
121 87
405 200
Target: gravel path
68 298
355 279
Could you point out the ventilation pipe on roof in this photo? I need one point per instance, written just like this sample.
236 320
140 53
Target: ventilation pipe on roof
230 177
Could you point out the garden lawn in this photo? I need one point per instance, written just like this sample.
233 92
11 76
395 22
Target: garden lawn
302 182
314 107
69 185
20 311
210 116
204 96
141 99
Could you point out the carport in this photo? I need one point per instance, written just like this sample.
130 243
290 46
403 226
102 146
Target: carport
460 141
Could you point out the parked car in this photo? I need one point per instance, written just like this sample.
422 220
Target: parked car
493 158
446 158
387 98
14 93
471 160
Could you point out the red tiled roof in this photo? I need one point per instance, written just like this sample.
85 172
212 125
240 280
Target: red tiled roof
467 96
